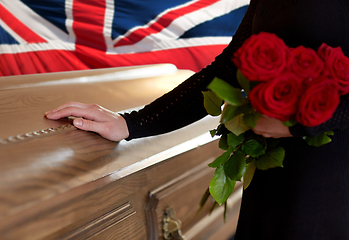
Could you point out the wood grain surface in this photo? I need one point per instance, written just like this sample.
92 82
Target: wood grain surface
58 182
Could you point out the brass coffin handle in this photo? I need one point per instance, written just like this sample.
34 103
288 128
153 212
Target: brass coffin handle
171 226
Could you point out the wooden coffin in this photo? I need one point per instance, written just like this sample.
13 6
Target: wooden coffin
58 182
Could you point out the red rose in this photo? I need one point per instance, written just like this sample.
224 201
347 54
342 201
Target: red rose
306 63
318 102
279 97
337 64
262 57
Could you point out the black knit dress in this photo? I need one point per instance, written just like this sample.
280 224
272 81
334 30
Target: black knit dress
309 197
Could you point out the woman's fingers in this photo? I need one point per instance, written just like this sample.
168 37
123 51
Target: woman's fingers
271 127
70 104
88 111
69 111
92 117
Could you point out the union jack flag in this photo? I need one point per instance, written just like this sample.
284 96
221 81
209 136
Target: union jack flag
39 36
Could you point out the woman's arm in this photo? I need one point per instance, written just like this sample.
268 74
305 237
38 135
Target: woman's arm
176 109
184 104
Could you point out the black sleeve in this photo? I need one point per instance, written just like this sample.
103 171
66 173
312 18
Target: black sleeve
184 104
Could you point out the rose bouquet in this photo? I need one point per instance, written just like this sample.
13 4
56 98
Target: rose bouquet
295 85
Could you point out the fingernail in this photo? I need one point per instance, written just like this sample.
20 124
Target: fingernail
78 122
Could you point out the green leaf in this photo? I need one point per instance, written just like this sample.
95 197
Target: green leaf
271 159
223 142
234 141
221 186
253 148
227 92
319 140
213 132
221 159
243 81
290 123
235 167
250 119
249 160
246 108
249 172
228 113
212 103
237 125
329 133
221 129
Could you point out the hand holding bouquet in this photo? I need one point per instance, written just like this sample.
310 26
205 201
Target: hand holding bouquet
294 85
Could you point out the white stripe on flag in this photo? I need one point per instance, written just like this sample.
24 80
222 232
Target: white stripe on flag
12 33
36 23
148 45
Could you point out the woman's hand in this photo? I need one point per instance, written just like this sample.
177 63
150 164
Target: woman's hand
92 117
271 127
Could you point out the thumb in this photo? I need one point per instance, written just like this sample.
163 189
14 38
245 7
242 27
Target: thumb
92 126
84 124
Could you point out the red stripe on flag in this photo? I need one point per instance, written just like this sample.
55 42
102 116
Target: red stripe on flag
192 58
89 23
17 26
39 62
163 22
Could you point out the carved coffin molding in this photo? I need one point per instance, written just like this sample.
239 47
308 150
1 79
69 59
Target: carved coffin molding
169 194
164 190
102 223
37 134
